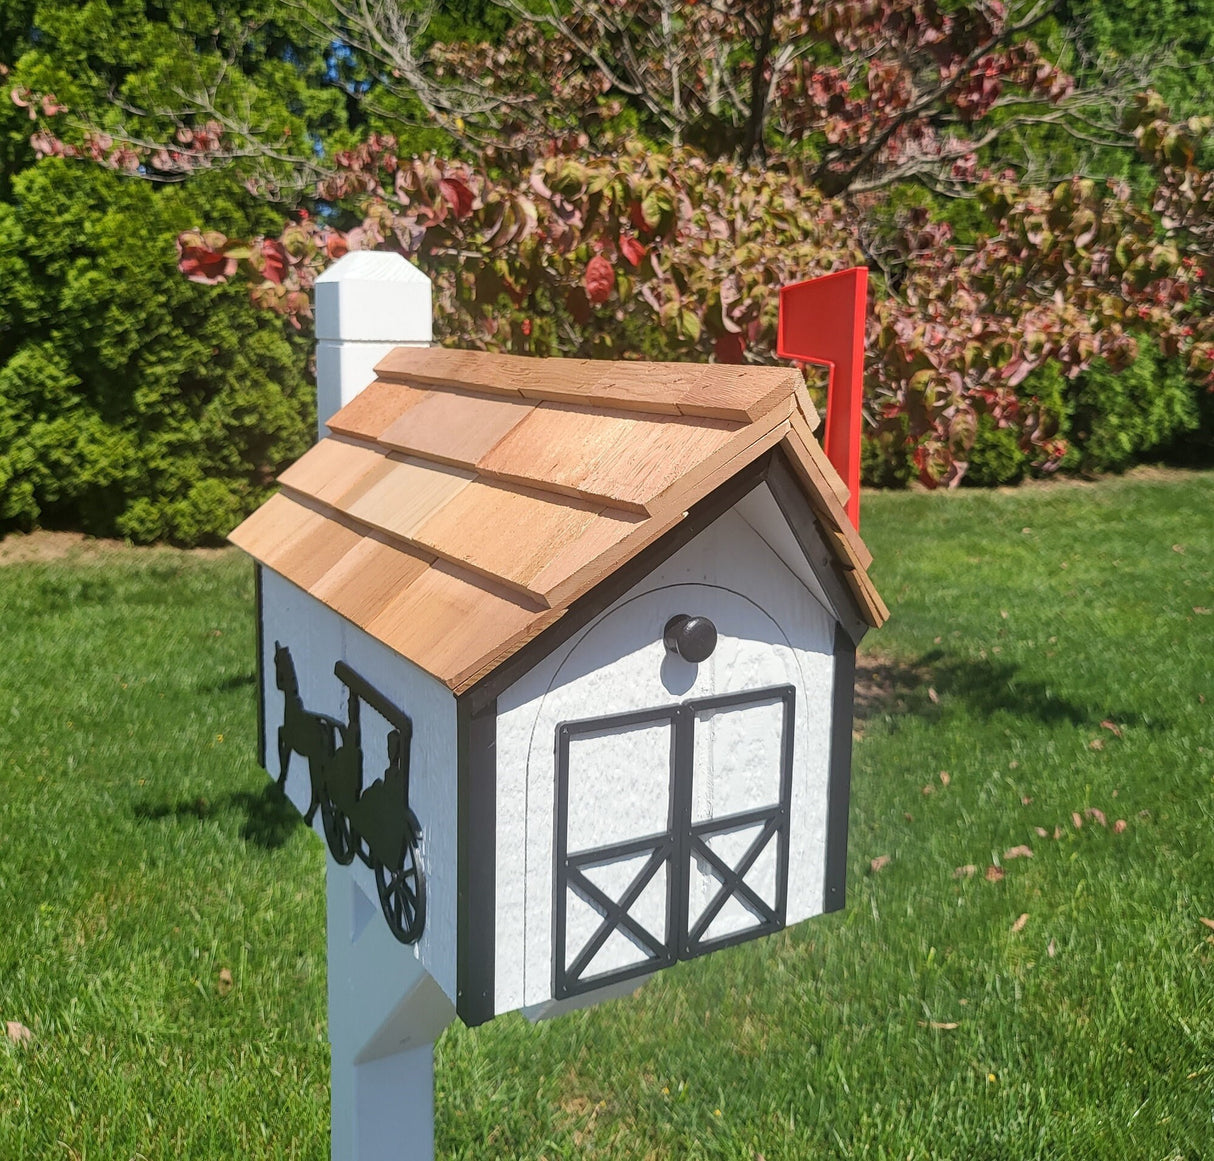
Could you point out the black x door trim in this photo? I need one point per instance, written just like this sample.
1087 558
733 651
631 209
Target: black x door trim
675 848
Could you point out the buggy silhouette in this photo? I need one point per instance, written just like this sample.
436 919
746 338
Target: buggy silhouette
376 825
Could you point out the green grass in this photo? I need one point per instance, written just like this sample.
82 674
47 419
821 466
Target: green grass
141 855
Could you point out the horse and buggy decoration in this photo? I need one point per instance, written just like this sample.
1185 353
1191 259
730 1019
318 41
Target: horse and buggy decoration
375 823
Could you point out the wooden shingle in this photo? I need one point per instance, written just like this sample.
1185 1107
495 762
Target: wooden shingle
444 620
368 578
333 470
405 494
625 459
455 428
375 408
515 534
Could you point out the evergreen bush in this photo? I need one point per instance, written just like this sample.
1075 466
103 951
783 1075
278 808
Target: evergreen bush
1119 417
132 402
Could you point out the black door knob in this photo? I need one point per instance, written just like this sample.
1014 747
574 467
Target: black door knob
692 638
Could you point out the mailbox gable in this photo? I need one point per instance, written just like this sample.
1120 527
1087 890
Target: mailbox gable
608 739
599 622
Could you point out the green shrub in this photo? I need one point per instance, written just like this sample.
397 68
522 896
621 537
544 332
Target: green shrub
1111 419
132 402
996 457
886 457
1118 417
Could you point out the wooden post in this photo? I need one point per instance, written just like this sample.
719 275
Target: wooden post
385 1010
366 303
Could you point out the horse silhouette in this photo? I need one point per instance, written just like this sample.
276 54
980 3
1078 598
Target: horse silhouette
375 825
314 737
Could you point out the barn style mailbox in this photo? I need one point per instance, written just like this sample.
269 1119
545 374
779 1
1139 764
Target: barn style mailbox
557 656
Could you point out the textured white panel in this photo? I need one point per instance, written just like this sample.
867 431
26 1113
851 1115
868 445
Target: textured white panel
761 878
704 885
619 951
619 785
650 908
737 759
734 917
317 638
771 632
760 510
613 878
583 920
706 882
730 846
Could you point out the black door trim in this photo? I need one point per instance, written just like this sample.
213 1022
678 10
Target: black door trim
676 847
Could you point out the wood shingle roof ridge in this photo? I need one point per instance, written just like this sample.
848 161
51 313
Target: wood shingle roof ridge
738 392
605 454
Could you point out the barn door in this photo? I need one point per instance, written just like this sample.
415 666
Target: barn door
671 834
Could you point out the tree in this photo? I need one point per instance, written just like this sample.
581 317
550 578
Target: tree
584 220
133 402
861 95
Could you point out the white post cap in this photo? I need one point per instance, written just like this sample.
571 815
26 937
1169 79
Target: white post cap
372 296
367 302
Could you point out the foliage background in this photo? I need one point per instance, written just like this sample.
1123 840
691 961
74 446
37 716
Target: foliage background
133 402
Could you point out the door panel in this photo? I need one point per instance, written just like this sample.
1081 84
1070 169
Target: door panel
738 760
619 782
671 834
737 886
614 849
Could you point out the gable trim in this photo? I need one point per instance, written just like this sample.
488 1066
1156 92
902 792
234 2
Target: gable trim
804 526
838 792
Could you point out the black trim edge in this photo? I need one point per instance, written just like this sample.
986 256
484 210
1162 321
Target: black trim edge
804 526
476 919
838 795
260 633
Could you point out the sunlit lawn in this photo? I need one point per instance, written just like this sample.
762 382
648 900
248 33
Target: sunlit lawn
1049 671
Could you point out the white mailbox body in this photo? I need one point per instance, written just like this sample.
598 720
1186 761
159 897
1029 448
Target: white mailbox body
478 579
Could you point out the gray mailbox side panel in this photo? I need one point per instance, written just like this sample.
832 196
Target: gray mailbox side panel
677 741
318 638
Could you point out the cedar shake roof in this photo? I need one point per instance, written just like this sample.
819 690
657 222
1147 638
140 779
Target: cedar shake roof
464 500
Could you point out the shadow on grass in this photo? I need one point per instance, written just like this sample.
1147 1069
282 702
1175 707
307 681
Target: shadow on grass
229 684
986 688
269 817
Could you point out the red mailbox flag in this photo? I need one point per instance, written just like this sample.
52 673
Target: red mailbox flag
822 321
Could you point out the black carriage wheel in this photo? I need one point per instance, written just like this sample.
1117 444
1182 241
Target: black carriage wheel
402 895
343 843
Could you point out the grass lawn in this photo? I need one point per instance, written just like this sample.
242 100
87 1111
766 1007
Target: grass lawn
1046 685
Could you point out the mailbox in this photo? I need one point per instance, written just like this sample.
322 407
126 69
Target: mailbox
557 656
